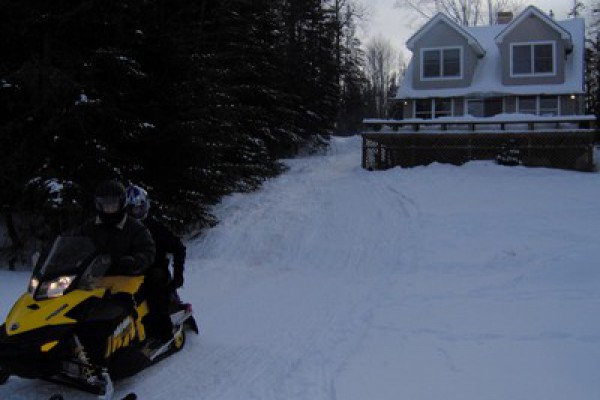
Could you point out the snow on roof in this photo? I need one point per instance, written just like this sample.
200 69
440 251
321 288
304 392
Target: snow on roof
440 17
487 78
530 11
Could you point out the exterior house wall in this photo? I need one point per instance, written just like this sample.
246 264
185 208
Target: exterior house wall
459 106
532 30
581 105
442 35
572 106
510 104
407 107
567 105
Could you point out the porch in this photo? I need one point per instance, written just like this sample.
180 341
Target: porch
565 142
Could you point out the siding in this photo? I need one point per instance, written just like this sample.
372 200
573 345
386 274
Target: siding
407 108
532 30
574 106
442 35
510 104
459 106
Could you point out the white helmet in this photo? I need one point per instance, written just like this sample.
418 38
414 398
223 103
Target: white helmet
138 203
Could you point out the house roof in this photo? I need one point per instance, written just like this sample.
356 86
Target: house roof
534 11
443 18
487 78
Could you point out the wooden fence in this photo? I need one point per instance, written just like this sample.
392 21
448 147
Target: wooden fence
566 150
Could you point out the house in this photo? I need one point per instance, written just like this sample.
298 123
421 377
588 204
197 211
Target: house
529 65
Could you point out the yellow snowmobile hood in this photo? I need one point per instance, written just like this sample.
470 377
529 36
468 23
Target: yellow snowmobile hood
28 314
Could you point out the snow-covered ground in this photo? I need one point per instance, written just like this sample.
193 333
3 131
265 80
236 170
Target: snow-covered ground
438 282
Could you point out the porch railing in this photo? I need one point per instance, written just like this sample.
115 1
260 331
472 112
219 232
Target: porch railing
471 124
566 150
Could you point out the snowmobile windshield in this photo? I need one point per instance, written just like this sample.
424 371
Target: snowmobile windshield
67 256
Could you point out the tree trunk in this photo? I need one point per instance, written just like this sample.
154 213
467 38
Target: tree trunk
12 230
16 241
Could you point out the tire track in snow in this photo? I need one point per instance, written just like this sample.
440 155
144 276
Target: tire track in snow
332 270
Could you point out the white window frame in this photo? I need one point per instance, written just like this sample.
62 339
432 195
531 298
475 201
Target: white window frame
532 47
441 50
537 104
432 102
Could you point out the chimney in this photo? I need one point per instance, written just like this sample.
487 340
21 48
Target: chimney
503 17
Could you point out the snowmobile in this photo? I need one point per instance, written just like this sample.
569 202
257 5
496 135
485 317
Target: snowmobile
81 326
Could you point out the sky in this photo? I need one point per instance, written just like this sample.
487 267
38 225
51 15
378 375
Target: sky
397 25
332 282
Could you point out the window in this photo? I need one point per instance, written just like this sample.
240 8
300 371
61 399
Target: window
451 62
543 59
443 63
546 106
442 107
475 107
431 64
423 108
529 59
485 107
528 105
433 108
521 56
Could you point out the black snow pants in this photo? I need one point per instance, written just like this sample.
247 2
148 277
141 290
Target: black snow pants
156 288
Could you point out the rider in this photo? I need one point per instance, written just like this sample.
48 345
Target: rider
159 284
126 240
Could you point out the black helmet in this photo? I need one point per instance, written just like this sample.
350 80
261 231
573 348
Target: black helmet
110 201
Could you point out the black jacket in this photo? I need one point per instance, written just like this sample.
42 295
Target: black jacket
128 238
166 243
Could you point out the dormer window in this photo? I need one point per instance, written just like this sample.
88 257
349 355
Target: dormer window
532 59
441 63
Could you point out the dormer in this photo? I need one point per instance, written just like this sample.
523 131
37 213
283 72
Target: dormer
444 54
533 49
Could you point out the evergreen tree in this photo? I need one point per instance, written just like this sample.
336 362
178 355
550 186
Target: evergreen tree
592 58
191 99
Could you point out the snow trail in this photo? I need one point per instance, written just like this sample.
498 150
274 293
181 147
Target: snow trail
309 279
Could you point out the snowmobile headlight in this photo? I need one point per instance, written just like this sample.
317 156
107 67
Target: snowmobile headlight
55 287
33 285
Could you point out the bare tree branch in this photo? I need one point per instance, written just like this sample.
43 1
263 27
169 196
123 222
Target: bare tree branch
381 57
463 12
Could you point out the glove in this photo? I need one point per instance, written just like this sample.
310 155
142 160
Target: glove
177 281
